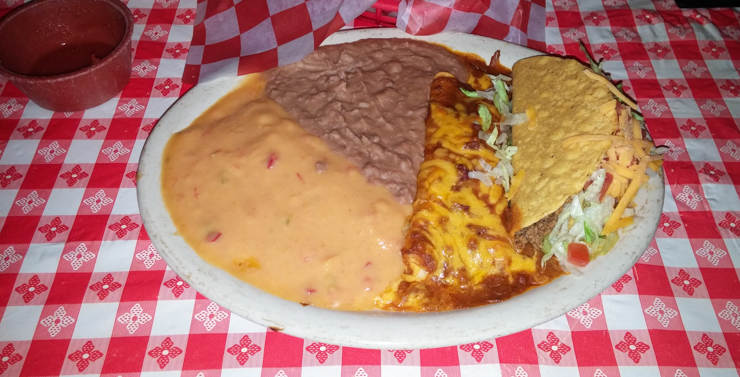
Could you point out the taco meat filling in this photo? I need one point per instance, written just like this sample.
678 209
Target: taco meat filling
535 234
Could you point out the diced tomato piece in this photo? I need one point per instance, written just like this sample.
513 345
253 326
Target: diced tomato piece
578 254
587 184
607 182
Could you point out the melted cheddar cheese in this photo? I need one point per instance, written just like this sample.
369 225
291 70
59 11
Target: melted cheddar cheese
458 252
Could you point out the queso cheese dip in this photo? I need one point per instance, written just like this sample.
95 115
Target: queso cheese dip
255 194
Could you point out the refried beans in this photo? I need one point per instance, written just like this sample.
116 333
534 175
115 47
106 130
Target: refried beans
368 101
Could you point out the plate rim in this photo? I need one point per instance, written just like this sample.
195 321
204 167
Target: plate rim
375 329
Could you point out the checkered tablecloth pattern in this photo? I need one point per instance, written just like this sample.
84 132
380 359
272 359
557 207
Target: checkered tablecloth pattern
235 38
82 290
239 37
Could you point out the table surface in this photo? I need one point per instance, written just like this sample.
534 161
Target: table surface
83 291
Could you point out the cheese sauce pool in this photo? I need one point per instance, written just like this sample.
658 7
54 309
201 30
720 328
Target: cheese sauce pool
256 195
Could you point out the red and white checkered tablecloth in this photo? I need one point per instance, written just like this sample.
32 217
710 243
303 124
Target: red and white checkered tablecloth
234 38
82 290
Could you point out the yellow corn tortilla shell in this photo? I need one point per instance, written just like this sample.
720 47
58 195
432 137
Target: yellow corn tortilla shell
567 103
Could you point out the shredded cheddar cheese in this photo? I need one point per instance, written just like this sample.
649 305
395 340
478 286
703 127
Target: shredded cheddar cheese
639 150
614 221
627 159
626 170
636 130
655 165
612 88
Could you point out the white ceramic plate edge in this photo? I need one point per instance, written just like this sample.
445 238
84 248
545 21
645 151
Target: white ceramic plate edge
384 330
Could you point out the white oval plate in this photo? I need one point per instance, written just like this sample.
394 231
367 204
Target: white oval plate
377 329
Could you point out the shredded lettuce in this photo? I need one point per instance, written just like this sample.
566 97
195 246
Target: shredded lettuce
485 116
486 166
506 153
503 173
487 94
502 139
575 207
500 136
593 191
498 94
596 67
606 243
491 141
590 235
582 220
481 176
501 99
501 92
514 119
470 93
492 137
634 114
499 77
546 246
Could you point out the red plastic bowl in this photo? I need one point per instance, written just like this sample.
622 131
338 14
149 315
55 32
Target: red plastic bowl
67 55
